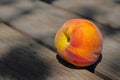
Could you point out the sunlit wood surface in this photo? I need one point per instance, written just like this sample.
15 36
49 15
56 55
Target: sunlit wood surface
27 30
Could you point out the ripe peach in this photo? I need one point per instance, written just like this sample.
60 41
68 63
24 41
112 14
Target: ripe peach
79 42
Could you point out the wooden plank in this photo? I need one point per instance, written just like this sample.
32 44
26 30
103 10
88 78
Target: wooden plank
33 61
110 65
45 21
103 11
11 9
46 15
36 24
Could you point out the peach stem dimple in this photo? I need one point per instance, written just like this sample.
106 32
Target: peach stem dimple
68 36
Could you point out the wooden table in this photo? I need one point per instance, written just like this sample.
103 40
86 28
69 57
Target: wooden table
27 30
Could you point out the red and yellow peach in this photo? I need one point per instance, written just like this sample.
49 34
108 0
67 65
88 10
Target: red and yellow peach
79 42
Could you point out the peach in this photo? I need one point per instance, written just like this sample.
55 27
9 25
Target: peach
79 42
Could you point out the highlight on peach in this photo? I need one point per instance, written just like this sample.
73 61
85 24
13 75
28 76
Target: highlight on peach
79 42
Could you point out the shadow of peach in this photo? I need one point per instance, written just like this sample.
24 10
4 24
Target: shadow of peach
48 1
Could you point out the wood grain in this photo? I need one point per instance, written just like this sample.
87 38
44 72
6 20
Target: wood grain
11 9
46 20
109 66
31 61
43 22
103 11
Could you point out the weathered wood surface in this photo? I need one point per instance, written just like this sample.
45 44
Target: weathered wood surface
14 8
21 58
110 64
106 12
45 30
42 21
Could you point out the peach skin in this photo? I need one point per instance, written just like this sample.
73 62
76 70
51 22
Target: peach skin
79 42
